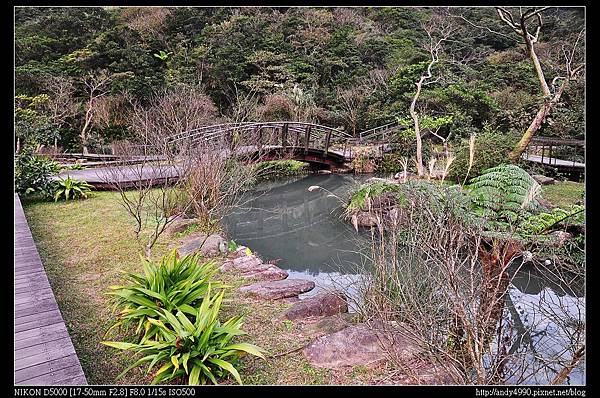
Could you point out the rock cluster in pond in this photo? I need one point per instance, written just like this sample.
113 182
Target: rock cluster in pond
210 246
322 304
273 283
274 290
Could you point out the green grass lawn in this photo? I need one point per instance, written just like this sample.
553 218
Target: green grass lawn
86 244
564 193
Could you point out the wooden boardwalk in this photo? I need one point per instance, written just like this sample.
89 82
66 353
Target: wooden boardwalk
554 161
43 351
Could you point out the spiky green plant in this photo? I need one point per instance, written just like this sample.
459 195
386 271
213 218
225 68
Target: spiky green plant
71 189
547 221
197 346
173 284
505 192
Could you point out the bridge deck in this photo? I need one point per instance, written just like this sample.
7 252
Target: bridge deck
43 351
554 161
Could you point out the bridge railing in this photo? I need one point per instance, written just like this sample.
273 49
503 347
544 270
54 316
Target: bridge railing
279 133
384 133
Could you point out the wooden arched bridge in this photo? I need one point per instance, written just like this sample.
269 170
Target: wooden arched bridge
308 142
318 145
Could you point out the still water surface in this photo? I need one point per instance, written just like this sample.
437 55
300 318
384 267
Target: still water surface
305 232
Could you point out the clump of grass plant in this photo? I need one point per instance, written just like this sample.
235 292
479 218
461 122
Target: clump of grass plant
176 305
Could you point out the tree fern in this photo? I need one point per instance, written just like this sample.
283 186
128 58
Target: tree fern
505 192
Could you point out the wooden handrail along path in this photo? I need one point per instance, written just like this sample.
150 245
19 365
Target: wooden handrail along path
43 351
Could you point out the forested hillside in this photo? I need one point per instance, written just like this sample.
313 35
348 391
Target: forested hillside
87 68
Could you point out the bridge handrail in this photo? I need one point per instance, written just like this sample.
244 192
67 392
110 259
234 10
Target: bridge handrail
226 127
373 132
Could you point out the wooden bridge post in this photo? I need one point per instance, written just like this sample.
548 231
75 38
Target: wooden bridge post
307 139
543 149
258 131
284 133
327 139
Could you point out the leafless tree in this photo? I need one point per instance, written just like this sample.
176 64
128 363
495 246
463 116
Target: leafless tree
146 19
244 106
166 180
439 31
62 104
97 85
351 100
521 24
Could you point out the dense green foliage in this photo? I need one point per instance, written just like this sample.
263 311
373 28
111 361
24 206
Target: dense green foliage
196 345
351 67
178 320
505 193
491 149
32 174
69 188
279 168
554 219
171 284
373 190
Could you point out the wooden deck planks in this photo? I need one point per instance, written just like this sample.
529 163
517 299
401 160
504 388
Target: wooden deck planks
43 350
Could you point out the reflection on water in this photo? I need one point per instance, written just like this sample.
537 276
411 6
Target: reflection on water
305 232
302 229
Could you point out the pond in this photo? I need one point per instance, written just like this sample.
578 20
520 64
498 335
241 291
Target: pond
305 233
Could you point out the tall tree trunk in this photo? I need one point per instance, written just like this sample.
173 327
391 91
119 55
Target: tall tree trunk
535 125
415 118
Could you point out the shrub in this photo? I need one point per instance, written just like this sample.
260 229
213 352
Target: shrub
171 284
273 168
491 149
197 346
70 188
32 174
373 190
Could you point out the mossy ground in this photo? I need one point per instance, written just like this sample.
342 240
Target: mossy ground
86 244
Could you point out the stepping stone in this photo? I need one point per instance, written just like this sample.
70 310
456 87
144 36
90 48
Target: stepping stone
266 272
244 264
357 345
274 290
198 242
323 304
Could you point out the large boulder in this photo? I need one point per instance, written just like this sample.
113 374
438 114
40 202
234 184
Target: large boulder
210 246
322 304
359 345
274 290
